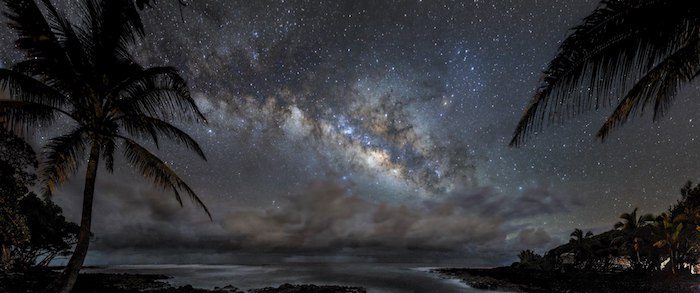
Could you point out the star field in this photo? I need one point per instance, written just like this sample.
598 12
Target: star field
402 102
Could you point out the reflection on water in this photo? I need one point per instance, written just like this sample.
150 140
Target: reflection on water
373 276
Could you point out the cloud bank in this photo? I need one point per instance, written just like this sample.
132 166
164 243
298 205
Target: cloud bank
326 218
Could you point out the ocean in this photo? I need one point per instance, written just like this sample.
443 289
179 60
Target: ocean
375 277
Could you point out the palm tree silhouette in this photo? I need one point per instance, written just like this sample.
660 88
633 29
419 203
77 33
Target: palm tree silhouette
583 249
670 234
640 52
85 74
633 229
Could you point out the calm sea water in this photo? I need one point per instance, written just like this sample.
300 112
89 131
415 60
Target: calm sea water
376 277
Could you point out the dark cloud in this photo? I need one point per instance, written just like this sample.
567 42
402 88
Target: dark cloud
325 218
526 204
534 238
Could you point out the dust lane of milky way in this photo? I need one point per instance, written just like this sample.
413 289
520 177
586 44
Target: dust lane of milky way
390 114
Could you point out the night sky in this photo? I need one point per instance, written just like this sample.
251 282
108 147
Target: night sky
344 126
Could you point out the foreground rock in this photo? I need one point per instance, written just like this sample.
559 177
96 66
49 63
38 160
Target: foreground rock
519 280
288 288
129 283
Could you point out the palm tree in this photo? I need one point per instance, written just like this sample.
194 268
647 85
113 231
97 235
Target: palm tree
84 74
582 246
639 52
578 236
633 230
670 233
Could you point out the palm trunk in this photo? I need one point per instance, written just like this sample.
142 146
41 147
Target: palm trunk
672 259
6 257
70 274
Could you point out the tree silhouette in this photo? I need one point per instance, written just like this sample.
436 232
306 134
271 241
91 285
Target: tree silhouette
646 241
670 234
638 52
634 232
16 157
528 256
583 250
85 74
33 231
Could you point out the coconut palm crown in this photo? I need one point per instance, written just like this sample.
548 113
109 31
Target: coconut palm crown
636 53
83 73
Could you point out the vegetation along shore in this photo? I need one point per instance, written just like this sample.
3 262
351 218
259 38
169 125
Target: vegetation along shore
641 253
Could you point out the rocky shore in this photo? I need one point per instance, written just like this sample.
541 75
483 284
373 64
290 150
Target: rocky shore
519 280
132 283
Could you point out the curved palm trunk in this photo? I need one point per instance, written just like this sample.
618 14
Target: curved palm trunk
70 274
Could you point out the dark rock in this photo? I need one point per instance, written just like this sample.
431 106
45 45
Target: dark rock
514 279
289 288
36 281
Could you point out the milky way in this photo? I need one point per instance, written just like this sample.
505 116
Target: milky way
397 103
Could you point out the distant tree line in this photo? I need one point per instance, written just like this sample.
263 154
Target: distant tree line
668 242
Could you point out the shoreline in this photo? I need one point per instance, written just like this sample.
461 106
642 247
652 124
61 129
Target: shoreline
35 281
508 279
522 280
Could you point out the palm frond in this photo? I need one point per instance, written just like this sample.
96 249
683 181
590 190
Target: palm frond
577 233
62 158
141 125
121 22
54 79
36 38
157 92
152 167
75 41
629 216
658 87
645 219
24 88
61 72
614 47
114 26
59 25
25 116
